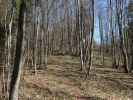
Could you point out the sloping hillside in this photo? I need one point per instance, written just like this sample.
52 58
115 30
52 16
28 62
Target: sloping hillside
63 80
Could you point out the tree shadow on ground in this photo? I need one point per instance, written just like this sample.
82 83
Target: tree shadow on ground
90 98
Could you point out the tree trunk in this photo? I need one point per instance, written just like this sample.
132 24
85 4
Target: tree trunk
18 62
130 57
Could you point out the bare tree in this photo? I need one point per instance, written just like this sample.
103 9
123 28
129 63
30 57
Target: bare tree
119 12
19 60
130 36
91 36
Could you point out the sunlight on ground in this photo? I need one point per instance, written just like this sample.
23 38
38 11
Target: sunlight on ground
63 80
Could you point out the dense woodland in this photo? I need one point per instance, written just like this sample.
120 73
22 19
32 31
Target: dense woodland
40 37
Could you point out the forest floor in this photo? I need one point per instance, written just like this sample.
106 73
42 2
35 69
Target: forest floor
62 80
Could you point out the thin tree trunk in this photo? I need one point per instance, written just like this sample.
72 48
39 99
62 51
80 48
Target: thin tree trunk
91 39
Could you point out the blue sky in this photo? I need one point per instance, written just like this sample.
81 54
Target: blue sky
100 5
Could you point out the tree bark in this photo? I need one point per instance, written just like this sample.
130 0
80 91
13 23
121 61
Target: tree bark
18 62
